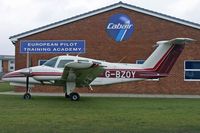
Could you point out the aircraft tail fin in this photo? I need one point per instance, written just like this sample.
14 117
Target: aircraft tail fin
166 54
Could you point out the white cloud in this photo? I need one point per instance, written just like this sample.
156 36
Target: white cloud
182 7
23 15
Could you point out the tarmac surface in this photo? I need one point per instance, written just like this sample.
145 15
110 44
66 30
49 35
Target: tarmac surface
108 95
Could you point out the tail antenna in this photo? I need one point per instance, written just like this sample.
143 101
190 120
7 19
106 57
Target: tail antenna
78 54
122 59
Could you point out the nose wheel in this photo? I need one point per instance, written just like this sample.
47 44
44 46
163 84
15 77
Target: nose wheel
27 96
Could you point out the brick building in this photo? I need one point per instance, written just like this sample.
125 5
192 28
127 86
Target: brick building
7 64
149 27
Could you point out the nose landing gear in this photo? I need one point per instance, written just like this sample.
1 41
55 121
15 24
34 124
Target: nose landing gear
27 95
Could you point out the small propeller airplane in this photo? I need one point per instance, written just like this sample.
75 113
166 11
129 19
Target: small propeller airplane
73 71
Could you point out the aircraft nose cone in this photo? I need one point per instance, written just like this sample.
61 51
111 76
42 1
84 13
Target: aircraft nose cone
5 76
8 76
14 74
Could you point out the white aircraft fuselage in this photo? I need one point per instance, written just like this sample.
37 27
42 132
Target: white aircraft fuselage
113 72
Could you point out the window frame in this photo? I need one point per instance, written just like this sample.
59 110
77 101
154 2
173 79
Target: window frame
190 70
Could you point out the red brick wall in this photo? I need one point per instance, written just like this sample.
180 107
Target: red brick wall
99 45
5 66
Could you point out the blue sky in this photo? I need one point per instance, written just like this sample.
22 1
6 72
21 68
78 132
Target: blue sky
24 15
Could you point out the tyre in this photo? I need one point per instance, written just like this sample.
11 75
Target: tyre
27 96
74 96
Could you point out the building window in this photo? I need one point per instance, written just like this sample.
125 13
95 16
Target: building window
11 68
11 65
41 62
192 70
12 62
141 62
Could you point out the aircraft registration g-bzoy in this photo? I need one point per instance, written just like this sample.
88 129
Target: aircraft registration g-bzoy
73 71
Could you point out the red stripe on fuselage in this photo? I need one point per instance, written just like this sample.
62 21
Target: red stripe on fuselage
18 74
13 74
46 73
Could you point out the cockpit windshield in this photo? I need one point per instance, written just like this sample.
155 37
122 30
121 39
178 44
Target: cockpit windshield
63 62
51 62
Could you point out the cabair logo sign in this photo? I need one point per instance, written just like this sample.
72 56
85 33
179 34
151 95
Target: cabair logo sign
120 27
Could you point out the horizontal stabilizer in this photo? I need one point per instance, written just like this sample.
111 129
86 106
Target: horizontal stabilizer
176 41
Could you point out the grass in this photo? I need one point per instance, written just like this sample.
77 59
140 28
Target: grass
4 86
99 115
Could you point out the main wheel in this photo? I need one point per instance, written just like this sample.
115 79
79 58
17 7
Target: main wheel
66 95
74 96
27 96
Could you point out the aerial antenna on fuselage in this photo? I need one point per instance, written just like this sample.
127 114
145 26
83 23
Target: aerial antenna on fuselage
78 54
122 59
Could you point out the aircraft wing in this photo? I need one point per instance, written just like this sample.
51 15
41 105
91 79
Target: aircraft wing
83 73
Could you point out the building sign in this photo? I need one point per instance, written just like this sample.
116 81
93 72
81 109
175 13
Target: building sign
120 27
52 46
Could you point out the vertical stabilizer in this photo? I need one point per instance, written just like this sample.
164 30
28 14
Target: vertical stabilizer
165 55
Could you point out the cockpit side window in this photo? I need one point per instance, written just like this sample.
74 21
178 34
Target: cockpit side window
51 62
63 62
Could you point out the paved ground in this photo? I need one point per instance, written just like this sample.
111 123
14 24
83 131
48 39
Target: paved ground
107 95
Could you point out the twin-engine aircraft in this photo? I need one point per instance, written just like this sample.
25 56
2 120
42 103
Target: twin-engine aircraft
73 71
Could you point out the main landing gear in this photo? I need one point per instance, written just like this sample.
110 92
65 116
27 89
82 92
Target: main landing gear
69 88
74 96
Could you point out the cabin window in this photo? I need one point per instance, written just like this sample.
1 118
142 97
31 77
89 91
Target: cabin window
192 70
51 62
41 62
63 62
